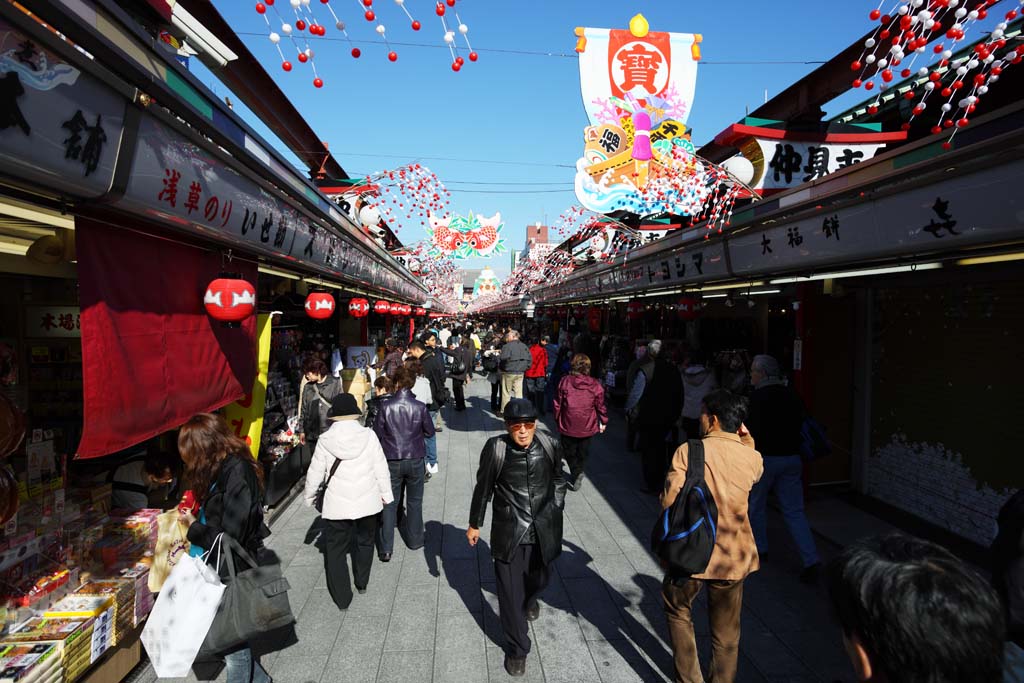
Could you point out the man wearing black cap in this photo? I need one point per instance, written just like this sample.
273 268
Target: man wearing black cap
523 471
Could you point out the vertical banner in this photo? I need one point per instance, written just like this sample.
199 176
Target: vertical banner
245 416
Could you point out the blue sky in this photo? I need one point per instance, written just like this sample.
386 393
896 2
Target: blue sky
524 110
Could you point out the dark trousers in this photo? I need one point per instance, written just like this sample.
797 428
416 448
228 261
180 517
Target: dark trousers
458 391
725 602
520 581
406 476
339 536
652 455
495 396
575 451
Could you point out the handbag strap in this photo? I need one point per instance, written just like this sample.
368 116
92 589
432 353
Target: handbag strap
321 396
334 468
694 462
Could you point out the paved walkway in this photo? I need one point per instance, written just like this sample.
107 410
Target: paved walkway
431 615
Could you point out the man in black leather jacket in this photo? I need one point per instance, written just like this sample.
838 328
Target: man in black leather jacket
402 426
523 472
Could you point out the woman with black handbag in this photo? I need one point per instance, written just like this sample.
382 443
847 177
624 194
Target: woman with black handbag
227 483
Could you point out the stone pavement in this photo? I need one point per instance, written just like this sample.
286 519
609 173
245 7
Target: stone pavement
430 615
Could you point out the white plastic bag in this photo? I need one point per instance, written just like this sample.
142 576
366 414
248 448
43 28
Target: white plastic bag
182 615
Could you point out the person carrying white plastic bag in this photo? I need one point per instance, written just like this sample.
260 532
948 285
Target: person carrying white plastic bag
183 614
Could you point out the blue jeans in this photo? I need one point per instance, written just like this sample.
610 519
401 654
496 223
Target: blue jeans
783 475
431 442
407 475
242 667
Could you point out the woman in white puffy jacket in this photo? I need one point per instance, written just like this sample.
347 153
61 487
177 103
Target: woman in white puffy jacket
349 456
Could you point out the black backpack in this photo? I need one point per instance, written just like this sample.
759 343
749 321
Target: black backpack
684 535
490 363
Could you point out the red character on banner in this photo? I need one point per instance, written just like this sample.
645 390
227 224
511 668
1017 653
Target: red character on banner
48 322
66 321
194 192
170 191
641 67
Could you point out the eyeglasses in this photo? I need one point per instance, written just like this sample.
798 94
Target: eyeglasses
523 425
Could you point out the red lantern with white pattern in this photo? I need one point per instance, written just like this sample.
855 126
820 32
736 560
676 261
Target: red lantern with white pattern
358 308
688 308
635 310
230 300
420 312
319 305
382 307
594 319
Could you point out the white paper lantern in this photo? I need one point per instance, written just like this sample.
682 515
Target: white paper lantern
741 168
369 216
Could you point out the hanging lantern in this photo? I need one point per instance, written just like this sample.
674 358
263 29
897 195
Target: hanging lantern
358 308
594 319
406 309
635 310
420 311
688 308
319 305
382 307
230 300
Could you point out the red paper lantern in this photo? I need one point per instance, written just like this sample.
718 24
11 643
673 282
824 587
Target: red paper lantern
319 305
406 309
634 310
358 308
382 307
230 300
421 311
688 308
594 319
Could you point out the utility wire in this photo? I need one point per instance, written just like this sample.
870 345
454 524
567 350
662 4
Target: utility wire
340 153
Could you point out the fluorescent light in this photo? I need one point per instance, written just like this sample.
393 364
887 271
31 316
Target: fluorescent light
714 296
279 273
857 273
764 291
321 283
738 285
13 248
999 258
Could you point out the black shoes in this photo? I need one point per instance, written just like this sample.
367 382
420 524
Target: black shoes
360 590
577 482
515 666
385 557
532 612
810 574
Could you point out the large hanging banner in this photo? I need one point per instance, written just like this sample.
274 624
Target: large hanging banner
461 237
653 67
245 416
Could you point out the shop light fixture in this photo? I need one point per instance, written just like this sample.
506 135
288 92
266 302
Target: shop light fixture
320 283
856 273
714 296
998 258
279 273
736 285
764 291
13 248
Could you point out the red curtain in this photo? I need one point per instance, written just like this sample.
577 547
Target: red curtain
151 356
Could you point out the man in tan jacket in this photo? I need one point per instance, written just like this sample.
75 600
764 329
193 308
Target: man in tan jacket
731 467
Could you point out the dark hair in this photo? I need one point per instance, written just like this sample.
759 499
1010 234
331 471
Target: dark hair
466 343
580 364
730 409
920 613
414 366
315 366
416 344
160 463
205 442
404 377
426 336
384 383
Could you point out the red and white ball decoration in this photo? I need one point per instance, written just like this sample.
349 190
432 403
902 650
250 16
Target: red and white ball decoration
382 308
319 305
230 300
901 39
293 30
634 310
688 308
419 312
358 308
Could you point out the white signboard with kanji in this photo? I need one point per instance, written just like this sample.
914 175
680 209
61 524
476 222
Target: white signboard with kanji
788 163
53 321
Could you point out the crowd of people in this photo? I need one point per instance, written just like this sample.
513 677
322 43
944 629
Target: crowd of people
909 610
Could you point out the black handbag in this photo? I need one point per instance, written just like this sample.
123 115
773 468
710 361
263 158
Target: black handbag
321 491
254 602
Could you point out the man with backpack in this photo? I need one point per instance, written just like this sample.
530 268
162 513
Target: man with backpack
523 471
731 468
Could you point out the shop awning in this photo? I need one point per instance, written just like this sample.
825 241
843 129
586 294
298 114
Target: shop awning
151 356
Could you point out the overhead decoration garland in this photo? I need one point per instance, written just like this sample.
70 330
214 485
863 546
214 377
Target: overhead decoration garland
902 37
407 194
466 236
306 20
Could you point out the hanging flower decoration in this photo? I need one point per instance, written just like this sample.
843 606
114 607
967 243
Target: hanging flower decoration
901 39
292 30
407 194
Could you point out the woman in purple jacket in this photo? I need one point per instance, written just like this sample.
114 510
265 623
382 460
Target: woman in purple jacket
580 413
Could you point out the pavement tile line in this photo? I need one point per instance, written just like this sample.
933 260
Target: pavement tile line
601 619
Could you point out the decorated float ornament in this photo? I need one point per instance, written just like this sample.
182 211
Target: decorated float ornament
305 19
466 236
319 305
688 308
382 308
634 310
230 300
901 39
486 283
358 308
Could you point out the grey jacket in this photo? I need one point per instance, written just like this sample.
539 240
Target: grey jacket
515 357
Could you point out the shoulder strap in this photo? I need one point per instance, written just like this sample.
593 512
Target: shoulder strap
695 462
548 445
320 396
334 468
499 456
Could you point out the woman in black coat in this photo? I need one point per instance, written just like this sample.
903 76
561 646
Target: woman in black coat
465 354
227 483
